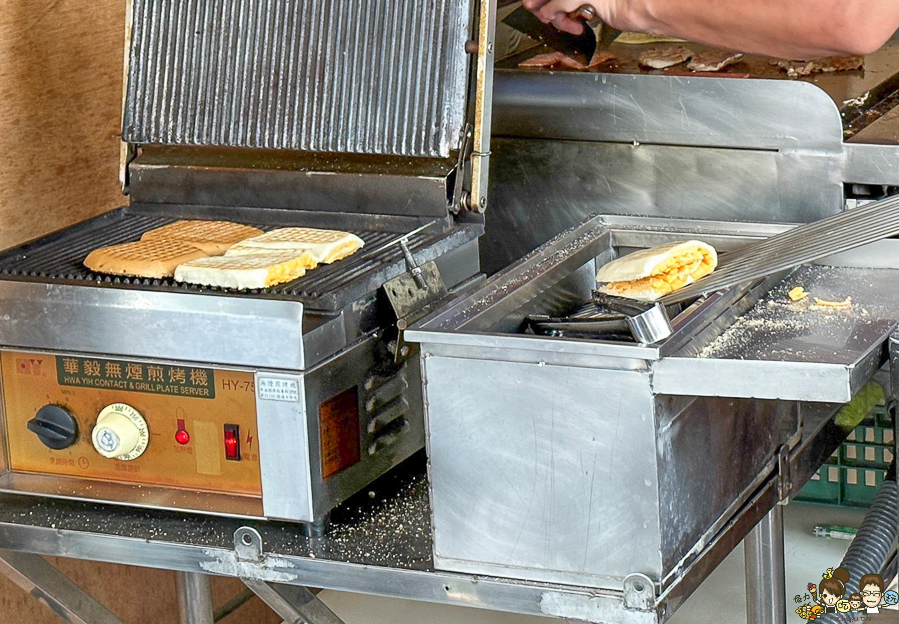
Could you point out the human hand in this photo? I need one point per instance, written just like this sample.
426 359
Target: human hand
624 15
558 13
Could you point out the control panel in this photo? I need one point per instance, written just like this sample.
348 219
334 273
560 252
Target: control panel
178 426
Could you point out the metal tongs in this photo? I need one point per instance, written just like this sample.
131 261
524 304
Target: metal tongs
613 326
646 323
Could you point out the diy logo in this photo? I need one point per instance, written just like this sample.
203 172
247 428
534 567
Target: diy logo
830 596
29 366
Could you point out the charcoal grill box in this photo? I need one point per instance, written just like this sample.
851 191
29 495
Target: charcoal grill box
574 442
732 161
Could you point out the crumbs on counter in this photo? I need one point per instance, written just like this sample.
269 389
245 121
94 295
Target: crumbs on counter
824 303
797 294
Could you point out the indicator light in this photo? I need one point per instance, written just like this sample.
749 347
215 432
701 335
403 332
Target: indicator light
232 442
181 435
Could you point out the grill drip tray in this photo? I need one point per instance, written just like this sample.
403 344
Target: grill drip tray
57 258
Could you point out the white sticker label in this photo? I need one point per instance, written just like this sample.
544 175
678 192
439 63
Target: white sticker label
274 389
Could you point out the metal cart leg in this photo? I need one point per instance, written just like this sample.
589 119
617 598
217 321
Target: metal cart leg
294 603
766 601
194 598
51 587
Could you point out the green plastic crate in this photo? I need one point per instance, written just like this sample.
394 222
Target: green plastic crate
853 474
866 455
824 486
859 485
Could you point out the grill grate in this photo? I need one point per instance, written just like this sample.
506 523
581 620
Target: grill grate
58 258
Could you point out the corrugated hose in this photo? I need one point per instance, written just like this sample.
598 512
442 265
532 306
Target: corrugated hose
875 538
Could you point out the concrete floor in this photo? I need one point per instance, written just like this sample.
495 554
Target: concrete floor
720 599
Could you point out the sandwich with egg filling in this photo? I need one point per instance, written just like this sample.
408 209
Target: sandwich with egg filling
649 274
246 272
325 246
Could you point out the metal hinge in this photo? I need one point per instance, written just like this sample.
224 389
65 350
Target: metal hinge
483 107
127 154
459 200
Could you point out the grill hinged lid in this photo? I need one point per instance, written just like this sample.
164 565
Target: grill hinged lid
383 77
378 80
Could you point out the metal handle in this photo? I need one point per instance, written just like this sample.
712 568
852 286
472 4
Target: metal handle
411 265
607 34
651 326
586 14
622 305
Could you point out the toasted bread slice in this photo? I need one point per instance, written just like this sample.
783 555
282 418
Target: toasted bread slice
246 272
652 273
154 259
213 237
326 246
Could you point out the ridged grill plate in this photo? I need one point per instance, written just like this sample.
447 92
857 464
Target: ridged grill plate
367 77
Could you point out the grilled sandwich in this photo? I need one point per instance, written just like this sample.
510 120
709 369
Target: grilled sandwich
155 259
649 274
246 272
325 246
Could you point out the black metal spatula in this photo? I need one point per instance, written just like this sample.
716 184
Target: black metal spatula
525 22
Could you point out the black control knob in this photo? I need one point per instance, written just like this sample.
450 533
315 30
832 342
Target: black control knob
55 427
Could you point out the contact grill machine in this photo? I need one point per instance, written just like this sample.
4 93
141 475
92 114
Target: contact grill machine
277 403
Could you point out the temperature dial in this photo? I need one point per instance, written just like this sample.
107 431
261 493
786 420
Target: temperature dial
120 433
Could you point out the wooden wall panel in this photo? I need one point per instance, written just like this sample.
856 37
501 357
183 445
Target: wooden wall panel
134 595
60 107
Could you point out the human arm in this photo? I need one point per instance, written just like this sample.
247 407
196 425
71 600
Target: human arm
795 29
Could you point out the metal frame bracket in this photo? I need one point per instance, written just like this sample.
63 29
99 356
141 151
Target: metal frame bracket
784 475
293 603
639 592
248 544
